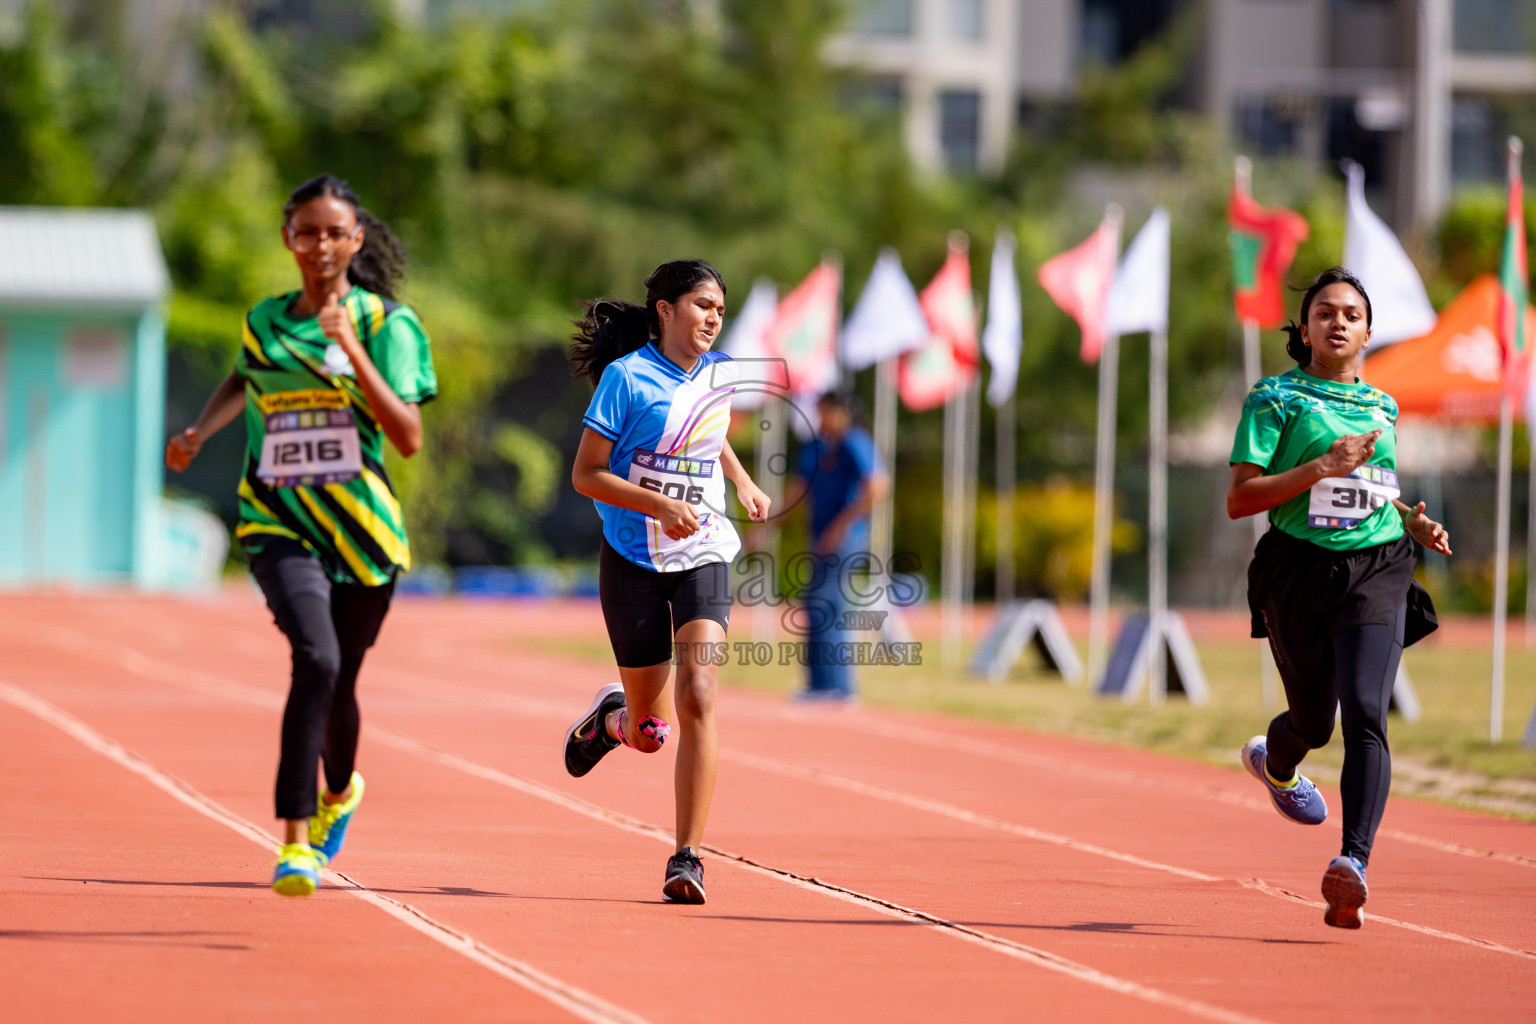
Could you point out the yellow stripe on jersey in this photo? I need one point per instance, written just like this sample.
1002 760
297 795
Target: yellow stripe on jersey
373 309
248 339
246 529
365 572
248 496
382 494
397 550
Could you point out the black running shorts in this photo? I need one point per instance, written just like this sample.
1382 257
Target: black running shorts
1300 594
644 608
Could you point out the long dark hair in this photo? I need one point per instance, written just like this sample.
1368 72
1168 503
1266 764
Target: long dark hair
612 328
1294 346
379 266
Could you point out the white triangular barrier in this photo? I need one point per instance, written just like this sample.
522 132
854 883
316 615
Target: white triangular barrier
1015 628
1130 663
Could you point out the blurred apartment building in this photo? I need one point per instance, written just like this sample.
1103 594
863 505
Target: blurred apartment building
1419 92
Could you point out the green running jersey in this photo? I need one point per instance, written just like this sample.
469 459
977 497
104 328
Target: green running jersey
314 468
1292 419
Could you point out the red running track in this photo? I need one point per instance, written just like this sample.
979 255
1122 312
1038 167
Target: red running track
865 866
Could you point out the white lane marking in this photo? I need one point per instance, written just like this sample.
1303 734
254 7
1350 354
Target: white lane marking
1017 950
921 803
1259 885
576 1001
997 752
153 669
942 809
74 642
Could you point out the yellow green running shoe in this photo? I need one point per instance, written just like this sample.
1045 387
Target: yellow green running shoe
328 825
297 870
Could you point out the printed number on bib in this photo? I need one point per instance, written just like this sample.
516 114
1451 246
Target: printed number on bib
310 447
1344 502
669 475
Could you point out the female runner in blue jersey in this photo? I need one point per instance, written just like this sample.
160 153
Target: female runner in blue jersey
655 459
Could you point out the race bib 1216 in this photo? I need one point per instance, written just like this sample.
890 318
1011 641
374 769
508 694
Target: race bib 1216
1344 502
310 447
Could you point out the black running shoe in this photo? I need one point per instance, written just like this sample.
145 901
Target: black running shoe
587 741
685 878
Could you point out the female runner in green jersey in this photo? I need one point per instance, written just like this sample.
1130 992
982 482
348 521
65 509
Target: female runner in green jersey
1331 583
324 374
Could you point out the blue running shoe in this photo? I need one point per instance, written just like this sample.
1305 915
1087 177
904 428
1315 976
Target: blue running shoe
297 870
1301 803
328 825
1345 890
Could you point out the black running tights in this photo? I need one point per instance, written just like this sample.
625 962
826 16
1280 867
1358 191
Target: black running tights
330 626
1365 660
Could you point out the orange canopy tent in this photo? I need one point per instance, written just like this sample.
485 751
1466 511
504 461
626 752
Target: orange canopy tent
1452 374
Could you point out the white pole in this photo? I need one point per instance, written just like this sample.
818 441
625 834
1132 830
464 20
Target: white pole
1530 533
883 519
1007 472
969 467
1501 570
1157 512
1103 511
950 570
1253 369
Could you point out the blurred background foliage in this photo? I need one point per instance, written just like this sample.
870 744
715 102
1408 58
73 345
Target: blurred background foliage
560 151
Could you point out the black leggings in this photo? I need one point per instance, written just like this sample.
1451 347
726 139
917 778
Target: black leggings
330 627
1365 660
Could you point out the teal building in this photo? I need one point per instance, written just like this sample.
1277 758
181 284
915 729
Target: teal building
82 397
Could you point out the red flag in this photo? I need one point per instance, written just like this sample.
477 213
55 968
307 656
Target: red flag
1078 281
803 331
946 363
1263 241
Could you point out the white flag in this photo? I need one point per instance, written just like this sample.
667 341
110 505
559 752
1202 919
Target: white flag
1400 308
743 340
1003 339
1138 297
887 320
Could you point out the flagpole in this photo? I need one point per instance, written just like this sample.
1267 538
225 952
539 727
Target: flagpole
1253 369
1530 523
1104 482
1157 512
949 574
971 470
1007 473
770 453
885 445
1506 468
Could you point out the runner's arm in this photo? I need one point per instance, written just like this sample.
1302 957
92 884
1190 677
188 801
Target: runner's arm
400 420
226 402
748 493
1422 528
591 477
1250 492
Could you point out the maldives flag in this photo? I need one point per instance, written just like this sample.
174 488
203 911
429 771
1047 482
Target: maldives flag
1078 281
1263 241
946 363
1514 285
803 331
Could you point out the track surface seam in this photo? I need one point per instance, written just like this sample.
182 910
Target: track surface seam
570 998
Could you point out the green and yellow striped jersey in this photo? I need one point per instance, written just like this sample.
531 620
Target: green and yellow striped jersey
314 468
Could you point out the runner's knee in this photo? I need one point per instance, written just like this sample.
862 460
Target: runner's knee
695 696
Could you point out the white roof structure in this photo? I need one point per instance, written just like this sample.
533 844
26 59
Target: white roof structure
59 255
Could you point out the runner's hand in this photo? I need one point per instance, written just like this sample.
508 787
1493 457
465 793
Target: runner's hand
182 448
1348 453
336 323
754 501
1426 531
678 519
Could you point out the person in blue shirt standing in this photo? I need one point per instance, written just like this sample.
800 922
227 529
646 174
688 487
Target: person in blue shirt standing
654 458
841 475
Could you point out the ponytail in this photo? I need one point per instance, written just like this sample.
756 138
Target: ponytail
1294 346
613 328
379 266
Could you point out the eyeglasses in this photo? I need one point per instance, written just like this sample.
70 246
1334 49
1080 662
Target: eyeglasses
309 239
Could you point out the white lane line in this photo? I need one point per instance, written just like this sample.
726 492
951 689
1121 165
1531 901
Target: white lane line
578 1002
921 803
1017 950
75 642
165 672
924 736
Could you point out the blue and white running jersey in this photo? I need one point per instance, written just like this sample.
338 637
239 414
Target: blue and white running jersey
667 428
